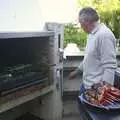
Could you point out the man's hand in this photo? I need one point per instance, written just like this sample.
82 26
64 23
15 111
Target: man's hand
72 74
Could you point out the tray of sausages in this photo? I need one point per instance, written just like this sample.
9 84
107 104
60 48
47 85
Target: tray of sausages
102 95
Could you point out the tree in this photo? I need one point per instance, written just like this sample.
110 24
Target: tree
109 11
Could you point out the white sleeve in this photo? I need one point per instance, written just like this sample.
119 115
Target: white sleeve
108 57
80 67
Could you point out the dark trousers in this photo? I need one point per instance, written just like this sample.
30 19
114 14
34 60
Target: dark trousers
82 89
81 107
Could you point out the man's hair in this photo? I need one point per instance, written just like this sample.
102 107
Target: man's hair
88 14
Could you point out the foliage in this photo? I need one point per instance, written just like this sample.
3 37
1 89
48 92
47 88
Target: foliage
73 34
109 11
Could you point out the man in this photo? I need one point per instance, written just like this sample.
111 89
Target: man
99 62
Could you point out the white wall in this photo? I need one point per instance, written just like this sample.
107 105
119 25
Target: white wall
59 10
30 15
20 15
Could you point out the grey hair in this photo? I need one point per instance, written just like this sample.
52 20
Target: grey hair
88 14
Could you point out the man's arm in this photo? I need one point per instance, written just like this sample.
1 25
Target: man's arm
108 57
76 71
79 68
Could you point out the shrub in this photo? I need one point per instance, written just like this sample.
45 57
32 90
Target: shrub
73 34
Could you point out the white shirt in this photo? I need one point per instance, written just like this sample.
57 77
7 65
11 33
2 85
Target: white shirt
100 57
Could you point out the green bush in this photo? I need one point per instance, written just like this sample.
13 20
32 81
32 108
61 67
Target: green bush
116 23
112 20
109 11
73 34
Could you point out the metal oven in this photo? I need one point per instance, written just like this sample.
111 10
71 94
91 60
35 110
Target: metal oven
29 58
26 60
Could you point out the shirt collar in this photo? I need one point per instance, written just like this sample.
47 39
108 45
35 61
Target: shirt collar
97 26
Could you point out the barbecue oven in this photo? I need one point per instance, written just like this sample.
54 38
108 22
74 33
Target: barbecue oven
26 59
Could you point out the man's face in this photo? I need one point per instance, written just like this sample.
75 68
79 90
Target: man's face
85 26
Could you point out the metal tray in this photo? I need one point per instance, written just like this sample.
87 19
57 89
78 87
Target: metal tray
108 107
